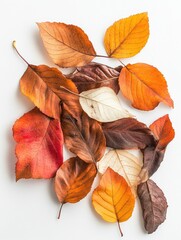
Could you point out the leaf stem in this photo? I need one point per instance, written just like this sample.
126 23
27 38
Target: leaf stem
60 210
120 229
14 46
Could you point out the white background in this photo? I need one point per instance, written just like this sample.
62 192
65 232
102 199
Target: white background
28 208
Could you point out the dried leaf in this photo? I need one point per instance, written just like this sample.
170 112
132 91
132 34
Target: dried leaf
113 199
84 137
127 133
95 75
154 205
153 155
126 37
42 85
124 163
73 180
163 131
67 45
144 86
102 104
39 145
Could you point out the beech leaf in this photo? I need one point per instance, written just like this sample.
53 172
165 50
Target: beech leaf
84 137
67 45
102 105
127 36
127 133
73 180
124 163
42 85
154 205
95 75
39 145
144 85
113 198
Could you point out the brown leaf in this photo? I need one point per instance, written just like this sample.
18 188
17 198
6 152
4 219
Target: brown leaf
95 75
73 180
127 133
84 137
154 205
42 85
67 45
39 145
144 85
153 155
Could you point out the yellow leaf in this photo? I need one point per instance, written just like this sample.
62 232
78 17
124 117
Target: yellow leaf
126 37
113 198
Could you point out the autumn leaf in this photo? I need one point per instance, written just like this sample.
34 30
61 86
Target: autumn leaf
153 155
102 104
39 145
43 86
73 180
124 163
95 75
154 205
113 199
144 86
83 136
127 133
126 37
67 45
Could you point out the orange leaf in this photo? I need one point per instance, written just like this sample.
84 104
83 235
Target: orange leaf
39 145
126 37
42 85
163 131
144 86
67 45
113 198
73 180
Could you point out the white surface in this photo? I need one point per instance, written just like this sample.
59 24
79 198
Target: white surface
28 209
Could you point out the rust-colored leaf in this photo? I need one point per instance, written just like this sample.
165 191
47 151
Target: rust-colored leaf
83 136
67 45
39 145
154 205
127 36
42 85
144 86
127 133
113 199
95 75
73 180
153 155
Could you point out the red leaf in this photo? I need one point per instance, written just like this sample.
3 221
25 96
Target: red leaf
39 145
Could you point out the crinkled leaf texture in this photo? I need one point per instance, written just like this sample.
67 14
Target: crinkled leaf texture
83 136
127 36
153 155
144 85
154 205
73 180
127 133
113 199
95 75
67 45
124 163
39 145
102 104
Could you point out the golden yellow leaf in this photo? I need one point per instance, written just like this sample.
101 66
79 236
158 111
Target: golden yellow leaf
113 198
127 36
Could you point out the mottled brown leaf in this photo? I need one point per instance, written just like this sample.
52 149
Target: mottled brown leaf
83 136
95 75
154 205
73 180
127 133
